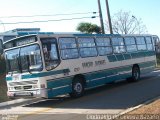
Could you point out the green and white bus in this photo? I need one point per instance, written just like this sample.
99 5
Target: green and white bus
50 65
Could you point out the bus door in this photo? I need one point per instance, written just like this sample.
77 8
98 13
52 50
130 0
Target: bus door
50 51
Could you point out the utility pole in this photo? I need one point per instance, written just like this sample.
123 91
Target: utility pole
101 17
109 18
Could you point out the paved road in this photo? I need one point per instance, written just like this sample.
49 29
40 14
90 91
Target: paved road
108 99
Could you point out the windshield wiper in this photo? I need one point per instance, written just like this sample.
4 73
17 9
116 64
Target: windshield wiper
19 65
28 62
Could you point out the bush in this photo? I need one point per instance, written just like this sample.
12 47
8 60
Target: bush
3 86
2 65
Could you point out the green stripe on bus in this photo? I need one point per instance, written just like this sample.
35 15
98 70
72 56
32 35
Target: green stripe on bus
42 74
119 57
126 56
112 58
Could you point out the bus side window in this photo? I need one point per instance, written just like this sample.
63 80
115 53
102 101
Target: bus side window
104 45
68 48
118 45
130 44
141 45
87 47
1 47
149 43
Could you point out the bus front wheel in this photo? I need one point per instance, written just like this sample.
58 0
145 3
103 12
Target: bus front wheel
77 88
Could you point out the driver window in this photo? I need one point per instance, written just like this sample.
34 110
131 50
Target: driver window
50 52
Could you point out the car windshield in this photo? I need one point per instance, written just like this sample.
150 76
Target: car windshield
24 59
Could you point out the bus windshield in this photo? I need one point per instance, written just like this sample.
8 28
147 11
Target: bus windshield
24 59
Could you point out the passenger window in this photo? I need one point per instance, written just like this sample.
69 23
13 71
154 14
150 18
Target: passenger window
141 45
87 47
104 45
118 45
68 48
130 44
149 43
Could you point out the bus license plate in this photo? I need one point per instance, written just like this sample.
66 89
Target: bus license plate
23 94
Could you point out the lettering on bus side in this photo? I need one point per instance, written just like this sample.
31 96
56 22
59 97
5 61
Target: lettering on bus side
87 64
100 62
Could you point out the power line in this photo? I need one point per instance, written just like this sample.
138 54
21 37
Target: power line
50 20
48 15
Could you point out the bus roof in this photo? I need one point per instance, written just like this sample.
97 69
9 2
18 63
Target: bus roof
46 34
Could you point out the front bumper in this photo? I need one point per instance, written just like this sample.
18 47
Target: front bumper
28 93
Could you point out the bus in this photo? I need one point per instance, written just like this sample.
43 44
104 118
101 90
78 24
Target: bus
56 64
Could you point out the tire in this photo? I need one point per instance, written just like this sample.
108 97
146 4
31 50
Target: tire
135 74
77 88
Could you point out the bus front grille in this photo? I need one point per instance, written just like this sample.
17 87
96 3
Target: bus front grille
27 87
23 83
18 88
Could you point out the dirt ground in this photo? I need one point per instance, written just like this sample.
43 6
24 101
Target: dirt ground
149 111
152 108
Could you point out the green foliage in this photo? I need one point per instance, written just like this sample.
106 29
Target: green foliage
88 28
2 65
3 86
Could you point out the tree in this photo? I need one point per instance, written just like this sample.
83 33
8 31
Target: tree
125 23
88 28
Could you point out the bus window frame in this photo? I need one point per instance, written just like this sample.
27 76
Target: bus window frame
60 49
141 44
149 43
130 44
110 41
87 47
119 45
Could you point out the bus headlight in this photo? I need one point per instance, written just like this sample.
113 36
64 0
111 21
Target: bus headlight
10 88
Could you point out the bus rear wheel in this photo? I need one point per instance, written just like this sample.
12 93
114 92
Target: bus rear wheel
77 88
135 74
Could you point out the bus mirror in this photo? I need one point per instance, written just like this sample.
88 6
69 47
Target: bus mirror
1 47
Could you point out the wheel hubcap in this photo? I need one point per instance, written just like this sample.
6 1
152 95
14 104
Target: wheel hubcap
136 74
78 87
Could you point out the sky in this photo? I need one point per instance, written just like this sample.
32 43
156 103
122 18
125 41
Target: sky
147 10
